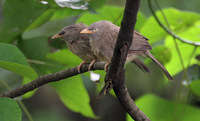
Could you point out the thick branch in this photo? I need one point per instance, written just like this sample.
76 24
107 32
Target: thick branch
52 77
116 73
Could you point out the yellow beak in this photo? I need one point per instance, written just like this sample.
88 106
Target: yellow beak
56 36
86 31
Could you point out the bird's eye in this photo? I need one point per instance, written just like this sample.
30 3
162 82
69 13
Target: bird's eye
95 29
61 33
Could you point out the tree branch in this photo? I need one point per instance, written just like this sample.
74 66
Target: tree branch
116 73
52 77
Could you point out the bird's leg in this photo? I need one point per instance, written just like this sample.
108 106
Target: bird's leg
106 66
91 64
80 65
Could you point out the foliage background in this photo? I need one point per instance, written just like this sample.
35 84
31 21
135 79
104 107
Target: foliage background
26 52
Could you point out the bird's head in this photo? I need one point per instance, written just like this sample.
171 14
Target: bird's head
70 32
97 29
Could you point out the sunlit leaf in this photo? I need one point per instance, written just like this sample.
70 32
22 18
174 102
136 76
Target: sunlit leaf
187 50
179 21
110 13
162 54
159 109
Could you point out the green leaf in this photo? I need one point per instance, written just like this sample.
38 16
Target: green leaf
41 19
162 54
11 53
13 60
65 57
74 95
159 109
178 20
26 10
36 49
194 86
22 70
110 13
9 110
64 13
48 29
174 66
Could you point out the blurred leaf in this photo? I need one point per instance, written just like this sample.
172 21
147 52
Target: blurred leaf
141 20
65 57
17 16
174 66
41 19
65 13
11 79
22 70
110 13
179 21
95 4
37 49
11 53
194 86
9 110
48 29
162 54
13 60
159 109
74 95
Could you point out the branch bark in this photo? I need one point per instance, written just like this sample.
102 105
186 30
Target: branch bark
52 77
116 73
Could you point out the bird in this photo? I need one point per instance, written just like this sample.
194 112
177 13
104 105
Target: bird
77 43
103 36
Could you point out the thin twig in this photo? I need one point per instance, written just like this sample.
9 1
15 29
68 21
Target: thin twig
169 31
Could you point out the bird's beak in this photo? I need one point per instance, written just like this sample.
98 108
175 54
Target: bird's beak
56 36
86 31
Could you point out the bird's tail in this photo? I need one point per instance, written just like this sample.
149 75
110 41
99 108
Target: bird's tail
141 65
148 53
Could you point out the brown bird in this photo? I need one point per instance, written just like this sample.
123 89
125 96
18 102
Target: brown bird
103 36
77 43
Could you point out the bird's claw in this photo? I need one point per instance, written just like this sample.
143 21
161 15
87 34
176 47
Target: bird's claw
106 66
79 66
91 64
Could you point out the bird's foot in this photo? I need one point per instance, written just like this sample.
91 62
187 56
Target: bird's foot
91 64
106 66
80 65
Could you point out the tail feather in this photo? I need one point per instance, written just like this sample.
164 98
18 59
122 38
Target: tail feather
141 65
160 65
